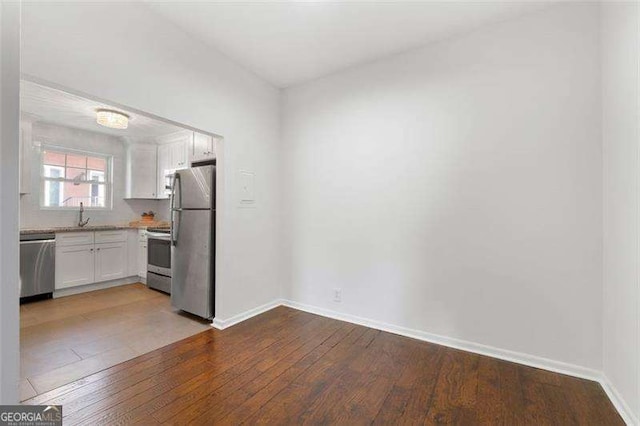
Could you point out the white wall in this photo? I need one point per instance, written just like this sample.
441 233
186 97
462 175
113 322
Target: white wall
621 139
129 55
9 128
457 189
123 211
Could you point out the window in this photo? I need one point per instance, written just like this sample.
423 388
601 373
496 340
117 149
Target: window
73 177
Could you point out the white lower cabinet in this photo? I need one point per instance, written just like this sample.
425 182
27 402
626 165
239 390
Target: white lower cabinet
74 265
80 260
110 261
142 260
143 255
133 254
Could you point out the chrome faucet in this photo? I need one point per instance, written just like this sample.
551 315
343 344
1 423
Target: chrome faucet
81 222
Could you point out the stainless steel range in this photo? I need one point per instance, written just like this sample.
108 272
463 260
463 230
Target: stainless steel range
159 259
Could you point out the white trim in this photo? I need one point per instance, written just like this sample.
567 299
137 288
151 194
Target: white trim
221 324
47 184
95 286
504 354
107 183
618 402
478 348
176 136
9 210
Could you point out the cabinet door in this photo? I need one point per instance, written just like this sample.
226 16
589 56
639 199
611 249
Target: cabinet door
142 172
132 252
178 153
164 164
142 259
111 261
203 147
74 265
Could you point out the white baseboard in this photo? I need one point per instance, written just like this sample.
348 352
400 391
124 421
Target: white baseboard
221 324
95 286
618 402
504 354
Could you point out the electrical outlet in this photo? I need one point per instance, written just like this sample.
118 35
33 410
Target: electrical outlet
337 295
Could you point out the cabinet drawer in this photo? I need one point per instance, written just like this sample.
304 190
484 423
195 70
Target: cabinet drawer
74 238
142 235
116 236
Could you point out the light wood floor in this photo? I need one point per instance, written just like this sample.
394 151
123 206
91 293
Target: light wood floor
288 367
65 339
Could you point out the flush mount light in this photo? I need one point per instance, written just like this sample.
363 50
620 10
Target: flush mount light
112 119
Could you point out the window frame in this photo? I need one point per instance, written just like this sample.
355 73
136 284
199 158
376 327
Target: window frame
46 182
108 181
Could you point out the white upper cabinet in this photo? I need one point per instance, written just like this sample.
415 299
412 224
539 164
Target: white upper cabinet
203 147
178 153
174 150
148 164
164 163
142 171
174 153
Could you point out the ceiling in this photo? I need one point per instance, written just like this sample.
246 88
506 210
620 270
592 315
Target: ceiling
55 106
288 43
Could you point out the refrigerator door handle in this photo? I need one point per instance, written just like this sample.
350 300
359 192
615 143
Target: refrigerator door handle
174 209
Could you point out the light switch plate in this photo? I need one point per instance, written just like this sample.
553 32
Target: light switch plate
247 187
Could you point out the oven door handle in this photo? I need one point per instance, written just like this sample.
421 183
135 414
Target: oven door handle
158 236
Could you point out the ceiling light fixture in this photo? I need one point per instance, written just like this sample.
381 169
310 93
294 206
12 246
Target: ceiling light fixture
112 119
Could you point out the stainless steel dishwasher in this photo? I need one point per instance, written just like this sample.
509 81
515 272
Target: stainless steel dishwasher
37 264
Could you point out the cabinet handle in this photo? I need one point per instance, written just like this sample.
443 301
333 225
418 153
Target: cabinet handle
98 249
90 249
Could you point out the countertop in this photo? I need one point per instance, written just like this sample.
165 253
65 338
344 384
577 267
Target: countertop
90 228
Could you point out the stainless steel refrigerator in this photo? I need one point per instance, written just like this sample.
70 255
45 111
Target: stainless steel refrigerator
193 227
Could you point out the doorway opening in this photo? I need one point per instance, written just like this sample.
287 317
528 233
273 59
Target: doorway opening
106 271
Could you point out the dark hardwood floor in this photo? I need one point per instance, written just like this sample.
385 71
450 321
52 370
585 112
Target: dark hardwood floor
291 367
